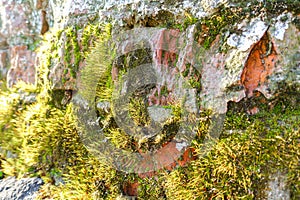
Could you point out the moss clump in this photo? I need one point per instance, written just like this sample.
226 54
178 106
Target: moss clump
72 55
193 77
36 133
187 21
13 102
270 6
138 111
99 70
151 188
44 142
68 49
251 148
217 24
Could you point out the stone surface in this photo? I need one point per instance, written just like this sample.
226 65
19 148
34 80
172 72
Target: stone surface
256 61
20 26
135 12
23 189
287 68
277 187
75 12
20 22
22 62
260 56
3 63
159 114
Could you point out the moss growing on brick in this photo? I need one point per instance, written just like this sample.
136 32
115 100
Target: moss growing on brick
250 149
44 138
67 49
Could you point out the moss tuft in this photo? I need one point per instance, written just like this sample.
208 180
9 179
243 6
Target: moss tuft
251 148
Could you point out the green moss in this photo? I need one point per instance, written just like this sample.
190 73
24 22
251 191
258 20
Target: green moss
271 7
240 164
44 137
277 6
251 148
296 22
151 188
209 27
187 21
45 142
193 77
101 70
218 23
138 111
74 42
1 174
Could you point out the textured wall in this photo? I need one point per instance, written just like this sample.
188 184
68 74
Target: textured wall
247 49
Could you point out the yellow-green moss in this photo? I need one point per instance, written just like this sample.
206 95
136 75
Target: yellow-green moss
44 140
138 111
74 43
239 166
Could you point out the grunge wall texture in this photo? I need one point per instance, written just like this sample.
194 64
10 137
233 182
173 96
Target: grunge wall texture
250 73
